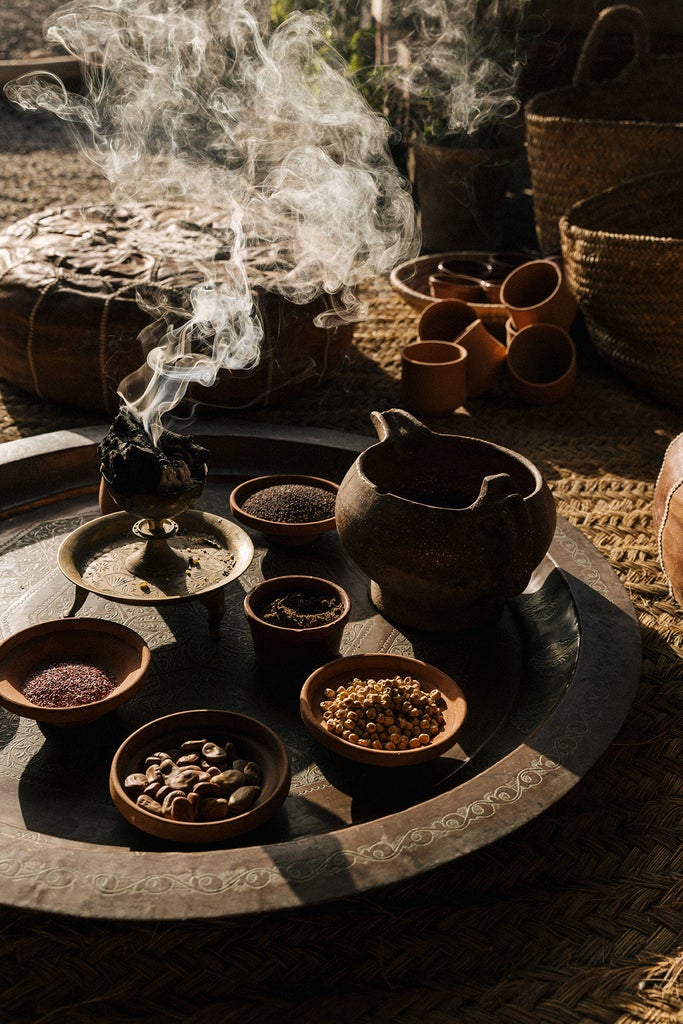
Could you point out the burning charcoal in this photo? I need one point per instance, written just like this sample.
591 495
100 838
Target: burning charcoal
134 465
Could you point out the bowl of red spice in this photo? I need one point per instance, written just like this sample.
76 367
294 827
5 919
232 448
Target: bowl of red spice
296 622
71 671
383 709
289 509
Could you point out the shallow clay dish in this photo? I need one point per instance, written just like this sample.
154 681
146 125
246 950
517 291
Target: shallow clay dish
411 281
291 534
382 666
110 646
253 742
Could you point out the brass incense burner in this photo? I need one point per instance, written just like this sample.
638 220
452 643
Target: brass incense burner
157 550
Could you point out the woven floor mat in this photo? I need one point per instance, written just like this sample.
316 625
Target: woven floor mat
575 918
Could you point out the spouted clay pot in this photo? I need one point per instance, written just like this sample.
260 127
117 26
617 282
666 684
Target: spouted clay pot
446 527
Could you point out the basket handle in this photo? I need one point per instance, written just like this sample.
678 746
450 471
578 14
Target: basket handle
630 18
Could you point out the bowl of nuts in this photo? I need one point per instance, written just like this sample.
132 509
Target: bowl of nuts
287 508
71 671
383 709
200 776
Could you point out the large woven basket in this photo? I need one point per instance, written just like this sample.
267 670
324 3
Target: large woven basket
585 137
623 257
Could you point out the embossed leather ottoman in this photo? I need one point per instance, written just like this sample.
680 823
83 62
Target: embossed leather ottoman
70 317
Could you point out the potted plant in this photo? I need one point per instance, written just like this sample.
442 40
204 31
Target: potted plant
450 80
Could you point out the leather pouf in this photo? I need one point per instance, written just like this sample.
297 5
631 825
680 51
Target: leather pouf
667 514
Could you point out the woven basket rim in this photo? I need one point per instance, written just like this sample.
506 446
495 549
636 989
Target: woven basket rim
566 120
601 200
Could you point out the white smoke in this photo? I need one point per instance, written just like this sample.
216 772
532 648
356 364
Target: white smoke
192 102
461 65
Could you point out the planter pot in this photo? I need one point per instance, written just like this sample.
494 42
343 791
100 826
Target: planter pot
459 195
446 527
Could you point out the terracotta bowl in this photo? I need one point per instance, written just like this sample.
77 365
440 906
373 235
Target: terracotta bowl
291 648
382 666
291 534
253 741
110 646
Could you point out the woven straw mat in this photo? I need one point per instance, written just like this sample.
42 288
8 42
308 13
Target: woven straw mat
574 919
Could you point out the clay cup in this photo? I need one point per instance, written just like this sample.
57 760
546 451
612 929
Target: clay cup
433 377
541 362
537 292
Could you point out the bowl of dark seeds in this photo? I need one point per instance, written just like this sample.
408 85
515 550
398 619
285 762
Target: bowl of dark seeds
296 622
286 508
71 671
201 776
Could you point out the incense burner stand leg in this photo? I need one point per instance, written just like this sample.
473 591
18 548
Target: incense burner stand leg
80 596
214 602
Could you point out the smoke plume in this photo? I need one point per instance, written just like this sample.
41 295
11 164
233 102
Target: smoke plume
195 102
458 66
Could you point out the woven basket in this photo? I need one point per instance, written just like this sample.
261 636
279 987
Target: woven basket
623 257
70 320
585 137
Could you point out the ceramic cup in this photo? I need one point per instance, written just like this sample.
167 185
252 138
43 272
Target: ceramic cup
445 320
541 362
510 331
537 293
455 286
477 268
485 358
433 377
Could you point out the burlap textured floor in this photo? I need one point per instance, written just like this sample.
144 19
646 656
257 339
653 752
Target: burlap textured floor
574 919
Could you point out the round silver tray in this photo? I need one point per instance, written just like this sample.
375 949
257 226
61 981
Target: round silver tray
548 686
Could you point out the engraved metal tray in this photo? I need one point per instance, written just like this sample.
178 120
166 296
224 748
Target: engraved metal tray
548 687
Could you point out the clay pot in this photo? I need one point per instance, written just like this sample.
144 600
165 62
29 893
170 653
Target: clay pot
485 358
667 515
446 527
288 649
445 320
433 377
459 194
541 362
537 292
455 286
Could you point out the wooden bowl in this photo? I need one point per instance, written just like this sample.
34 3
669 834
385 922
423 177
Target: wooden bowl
291 534
115 648
382 666
253 742
411 281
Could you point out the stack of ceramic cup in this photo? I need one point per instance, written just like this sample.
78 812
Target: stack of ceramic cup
456 356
